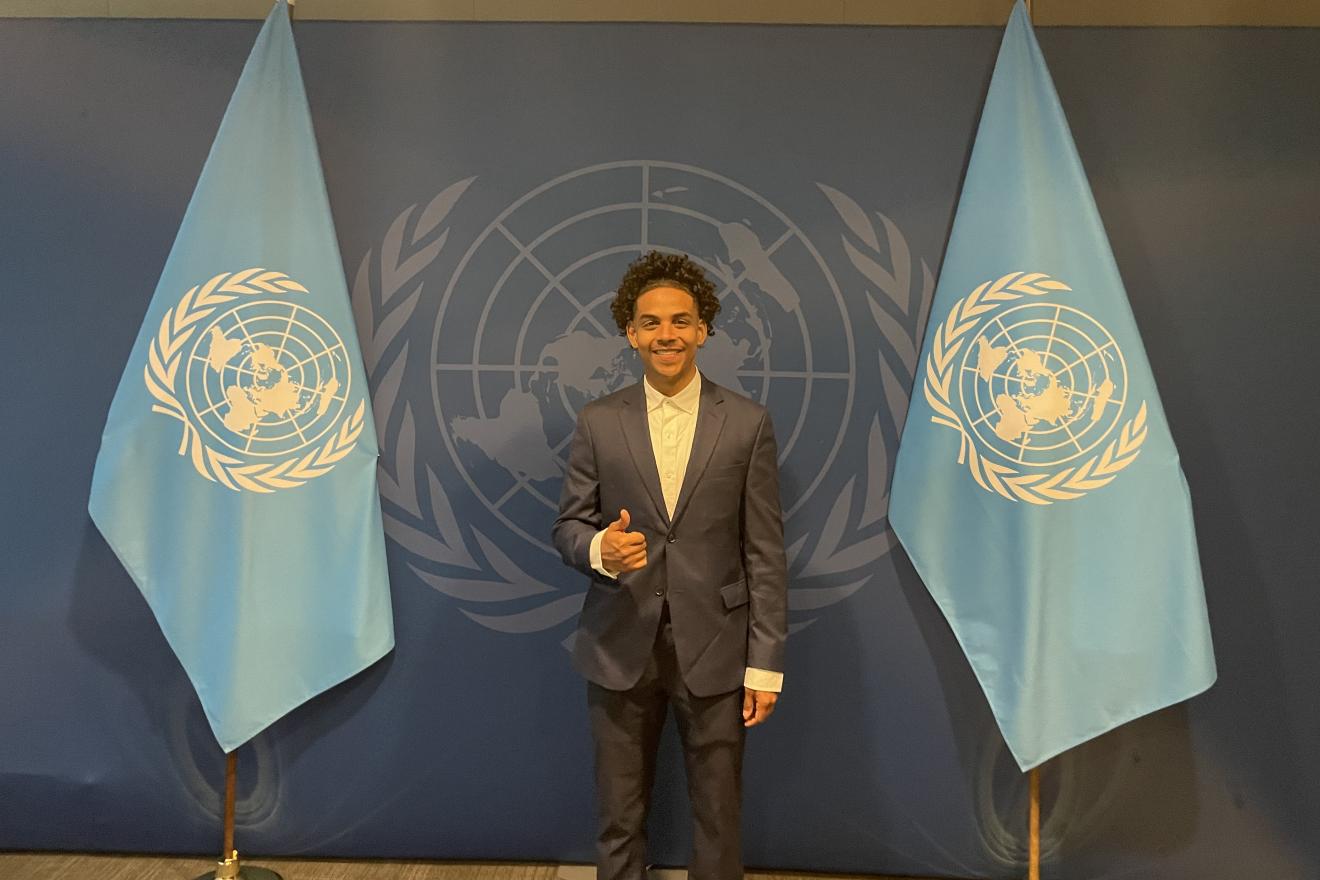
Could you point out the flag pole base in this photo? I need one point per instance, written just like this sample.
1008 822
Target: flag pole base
245 873
230 869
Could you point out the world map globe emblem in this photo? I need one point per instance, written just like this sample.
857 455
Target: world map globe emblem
1042 384
524 336
266 378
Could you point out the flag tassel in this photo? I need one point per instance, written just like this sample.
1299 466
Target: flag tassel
228 868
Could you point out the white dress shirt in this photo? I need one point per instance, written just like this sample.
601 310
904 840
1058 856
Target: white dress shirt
673 422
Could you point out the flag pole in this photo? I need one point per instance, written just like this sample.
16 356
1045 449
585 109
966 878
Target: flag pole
231 783
1033 780
1033 777
1033 838
228 868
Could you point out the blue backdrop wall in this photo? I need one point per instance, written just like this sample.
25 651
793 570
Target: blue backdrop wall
489 182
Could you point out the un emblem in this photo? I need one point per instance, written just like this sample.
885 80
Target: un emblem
523 338
509 378
264 383
1036 385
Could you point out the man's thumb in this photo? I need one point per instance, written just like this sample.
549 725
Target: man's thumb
624 519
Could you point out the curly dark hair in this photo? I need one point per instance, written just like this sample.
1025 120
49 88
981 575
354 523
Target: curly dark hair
656 269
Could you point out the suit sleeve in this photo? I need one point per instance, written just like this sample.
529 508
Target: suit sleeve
579 501
763 554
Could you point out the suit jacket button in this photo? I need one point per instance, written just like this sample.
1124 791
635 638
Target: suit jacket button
659 592
671 538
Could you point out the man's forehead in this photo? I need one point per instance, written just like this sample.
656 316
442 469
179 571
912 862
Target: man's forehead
665 299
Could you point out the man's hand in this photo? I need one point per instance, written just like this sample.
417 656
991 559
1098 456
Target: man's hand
620 549
757 706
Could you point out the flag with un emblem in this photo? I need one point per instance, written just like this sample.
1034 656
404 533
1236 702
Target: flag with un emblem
1037 488
236 479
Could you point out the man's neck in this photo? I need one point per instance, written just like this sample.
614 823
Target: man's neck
669 387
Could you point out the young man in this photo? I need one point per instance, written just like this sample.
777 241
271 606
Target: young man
671 505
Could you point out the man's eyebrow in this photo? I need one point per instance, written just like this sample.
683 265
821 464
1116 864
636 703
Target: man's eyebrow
678 314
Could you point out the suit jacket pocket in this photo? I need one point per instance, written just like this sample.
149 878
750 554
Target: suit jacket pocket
734 594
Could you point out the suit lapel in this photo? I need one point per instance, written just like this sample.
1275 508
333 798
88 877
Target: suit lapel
637 436
710 422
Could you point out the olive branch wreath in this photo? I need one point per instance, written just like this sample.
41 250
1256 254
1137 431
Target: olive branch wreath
1004 480
386 291
164 355
898 299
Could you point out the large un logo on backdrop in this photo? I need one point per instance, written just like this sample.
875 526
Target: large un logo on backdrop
523 338
509 379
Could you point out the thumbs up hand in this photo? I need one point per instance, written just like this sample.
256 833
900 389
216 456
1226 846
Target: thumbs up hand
620 549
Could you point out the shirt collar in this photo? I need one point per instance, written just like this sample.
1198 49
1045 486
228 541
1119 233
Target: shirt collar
685 400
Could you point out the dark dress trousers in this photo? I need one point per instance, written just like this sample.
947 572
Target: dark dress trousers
681 632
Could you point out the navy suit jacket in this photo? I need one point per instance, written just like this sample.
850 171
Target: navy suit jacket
719 562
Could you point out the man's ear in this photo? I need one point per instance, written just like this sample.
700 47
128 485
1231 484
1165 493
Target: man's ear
632 334
703 331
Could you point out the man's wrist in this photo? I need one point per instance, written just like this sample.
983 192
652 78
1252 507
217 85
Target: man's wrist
594 553
763 680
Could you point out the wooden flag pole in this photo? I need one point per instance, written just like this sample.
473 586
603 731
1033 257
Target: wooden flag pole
1033 837
1033 779
228 868
231 783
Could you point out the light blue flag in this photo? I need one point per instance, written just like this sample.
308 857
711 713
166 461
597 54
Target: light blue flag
1037 488
236 480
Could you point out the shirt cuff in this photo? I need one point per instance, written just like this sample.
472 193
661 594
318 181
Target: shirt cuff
763 680
595 556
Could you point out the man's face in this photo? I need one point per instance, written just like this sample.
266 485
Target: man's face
666 331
